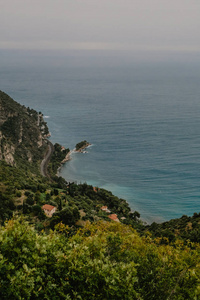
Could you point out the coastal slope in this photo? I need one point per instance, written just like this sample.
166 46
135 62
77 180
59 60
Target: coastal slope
22 133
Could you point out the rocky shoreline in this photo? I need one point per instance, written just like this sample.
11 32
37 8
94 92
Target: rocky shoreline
68 156
82 149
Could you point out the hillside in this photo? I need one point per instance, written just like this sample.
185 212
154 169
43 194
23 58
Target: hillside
22 133
23 189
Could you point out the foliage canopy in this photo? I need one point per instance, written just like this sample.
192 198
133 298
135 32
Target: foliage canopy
101 261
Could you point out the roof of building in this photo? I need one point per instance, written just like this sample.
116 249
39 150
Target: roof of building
104 207
113 217
48 207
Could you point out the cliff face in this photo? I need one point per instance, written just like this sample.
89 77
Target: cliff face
22 132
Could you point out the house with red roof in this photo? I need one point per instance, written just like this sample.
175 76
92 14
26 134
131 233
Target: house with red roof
113 217
105 208
49 210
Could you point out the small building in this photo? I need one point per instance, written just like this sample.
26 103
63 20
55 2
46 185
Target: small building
49 210
113 217
105 208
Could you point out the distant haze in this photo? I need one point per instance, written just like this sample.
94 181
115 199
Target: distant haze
119 25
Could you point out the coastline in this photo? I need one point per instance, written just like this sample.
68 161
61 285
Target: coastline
68 156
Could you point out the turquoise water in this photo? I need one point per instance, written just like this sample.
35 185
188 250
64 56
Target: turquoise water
142 120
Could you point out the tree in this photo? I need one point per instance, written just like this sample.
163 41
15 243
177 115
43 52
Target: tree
30 200
48 196
37 196
60 204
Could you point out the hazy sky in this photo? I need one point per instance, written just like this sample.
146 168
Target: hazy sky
168 25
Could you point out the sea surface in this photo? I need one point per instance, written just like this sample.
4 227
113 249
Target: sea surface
142 119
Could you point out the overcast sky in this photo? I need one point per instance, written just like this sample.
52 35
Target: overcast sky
164 25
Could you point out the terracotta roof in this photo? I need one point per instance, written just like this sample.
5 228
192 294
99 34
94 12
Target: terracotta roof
113 217
104 207
48 207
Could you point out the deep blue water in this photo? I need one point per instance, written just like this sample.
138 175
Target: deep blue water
143 120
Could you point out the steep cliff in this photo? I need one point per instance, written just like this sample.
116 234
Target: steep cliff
22 133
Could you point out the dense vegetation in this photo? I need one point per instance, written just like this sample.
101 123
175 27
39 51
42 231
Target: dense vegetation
187 228
79 253
101 261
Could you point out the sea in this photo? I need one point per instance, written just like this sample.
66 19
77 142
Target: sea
142 118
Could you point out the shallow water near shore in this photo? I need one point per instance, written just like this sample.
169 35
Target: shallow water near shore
142 120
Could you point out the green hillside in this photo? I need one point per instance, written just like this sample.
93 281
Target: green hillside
22 134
